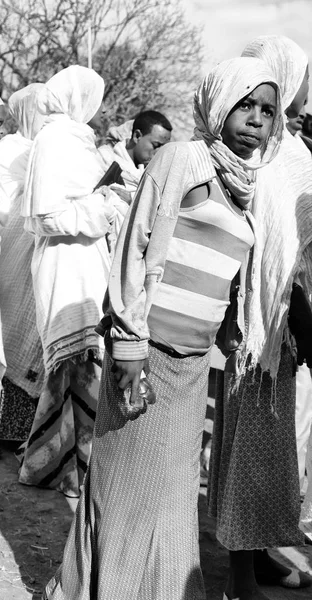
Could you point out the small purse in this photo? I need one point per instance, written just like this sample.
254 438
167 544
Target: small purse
229 335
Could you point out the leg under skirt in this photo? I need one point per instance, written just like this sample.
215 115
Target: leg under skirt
135 533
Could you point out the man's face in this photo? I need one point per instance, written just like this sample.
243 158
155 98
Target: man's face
147 145
295 125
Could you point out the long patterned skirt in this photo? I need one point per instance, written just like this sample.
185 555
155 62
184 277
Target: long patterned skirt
57 452
17 412
253 487
135 532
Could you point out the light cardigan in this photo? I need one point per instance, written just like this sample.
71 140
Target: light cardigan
143 243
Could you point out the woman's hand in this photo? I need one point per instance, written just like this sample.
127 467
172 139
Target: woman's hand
128 372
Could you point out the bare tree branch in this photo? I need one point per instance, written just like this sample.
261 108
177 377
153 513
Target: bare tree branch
147 52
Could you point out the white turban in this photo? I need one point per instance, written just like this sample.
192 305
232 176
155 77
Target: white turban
285 58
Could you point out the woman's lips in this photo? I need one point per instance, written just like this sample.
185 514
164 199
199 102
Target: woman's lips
249 138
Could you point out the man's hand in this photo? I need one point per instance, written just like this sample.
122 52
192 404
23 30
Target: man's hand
128 372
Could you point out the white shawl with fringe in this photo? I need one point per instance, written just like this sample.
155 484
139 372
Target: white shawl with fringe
283 216
282 208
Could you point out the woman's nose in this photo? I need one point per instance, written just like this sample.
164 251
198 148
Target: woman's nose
255 118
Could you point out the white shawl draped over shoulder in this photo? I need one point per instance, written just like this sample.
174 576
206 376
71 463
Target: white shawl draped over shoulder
22 345
283 216
282 208
71 262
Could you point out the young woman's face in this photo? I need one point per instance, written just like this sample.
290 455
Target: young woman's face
300 98
249 124
96 120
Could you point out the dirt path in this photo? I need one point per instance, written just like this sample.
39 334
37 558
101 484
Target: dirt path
34 525
33 528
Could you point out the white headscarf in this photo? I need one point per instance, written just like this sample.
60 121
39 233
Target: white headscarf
219 92
68 101
282 208
15 148
75 91
287 61
23 106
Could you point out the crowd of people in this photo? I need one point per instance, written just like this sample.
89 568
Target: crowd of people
123 266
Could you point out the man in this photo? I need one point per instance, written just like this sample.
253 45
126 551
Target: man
150 131
295 125
131 154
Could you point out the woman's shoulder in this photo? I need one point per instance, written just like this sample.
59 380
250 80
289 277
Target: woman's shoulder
181 155
54 139
182 148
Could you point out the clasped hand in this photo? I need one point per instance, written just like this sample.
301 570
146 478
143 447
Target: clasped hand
128 372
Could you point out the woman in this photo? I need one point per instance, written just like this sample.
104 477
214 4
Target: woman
253 479
70 269
135 533
22 345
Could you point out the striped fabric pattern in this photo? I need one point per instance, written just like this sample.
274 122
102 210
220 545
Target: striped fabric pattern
209 244
58 449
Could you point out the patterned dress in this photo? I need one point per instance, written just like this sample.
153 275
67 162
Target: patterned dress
253 487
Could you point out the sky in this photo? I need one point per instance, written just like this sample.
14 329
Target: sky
229 24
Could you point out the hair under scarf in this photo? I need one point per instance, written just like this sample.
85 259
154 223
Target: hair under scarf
227 84
287 61
75 91
23 106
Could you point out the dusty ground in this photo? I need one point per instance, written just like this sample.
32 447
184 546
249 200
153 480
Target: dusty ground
34 525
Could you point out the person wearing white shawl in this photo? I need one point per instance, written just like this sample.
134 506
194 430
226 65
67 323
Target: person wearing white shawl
253 484
142 540
70 269
22 345
133 149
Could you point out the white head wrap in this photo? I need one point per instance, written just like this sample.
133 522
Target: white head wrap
23 106
75 91
287 61
219 92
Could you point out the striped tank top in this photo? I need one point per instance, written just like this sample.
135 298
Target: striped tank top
208 246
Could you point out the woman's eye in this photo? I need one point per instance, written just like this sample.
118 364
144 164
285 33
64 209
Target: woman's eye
245 105
268 112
